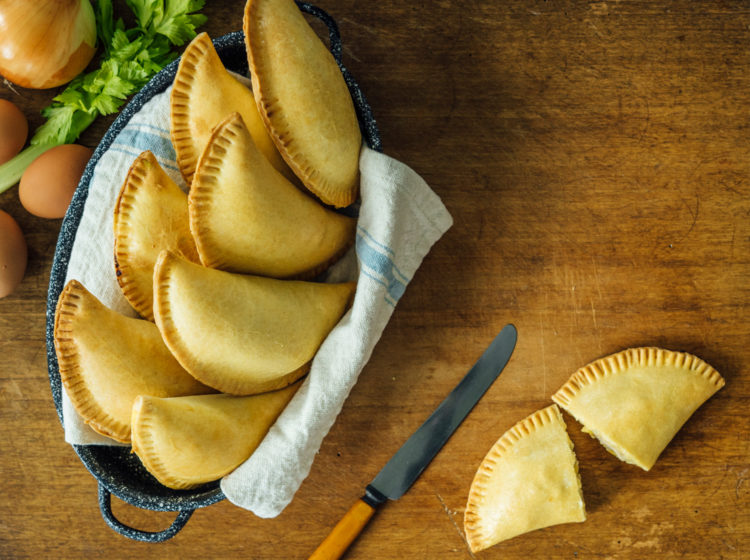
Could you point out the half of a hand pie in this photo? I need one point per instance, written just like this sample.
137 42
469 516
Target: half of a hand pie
106 360
188 441
204 92
635 401
528 480
243 334
151 214
303 100
246 217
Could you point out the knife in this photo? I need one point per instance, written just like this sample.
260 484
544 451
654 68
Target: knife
408 463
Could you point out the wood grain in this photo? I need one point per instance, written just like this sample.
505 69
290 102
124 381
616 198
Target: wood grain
595 157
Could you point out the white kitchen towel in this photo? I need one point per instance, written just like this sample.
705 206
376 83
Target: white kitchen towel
400 218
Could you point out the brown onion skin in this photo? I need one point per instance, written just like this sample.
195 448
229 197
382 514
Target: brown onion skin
76 64
31 56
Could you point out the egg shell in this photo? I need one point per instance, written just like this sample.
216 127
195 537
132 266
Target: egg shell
13 254
13 130
48 184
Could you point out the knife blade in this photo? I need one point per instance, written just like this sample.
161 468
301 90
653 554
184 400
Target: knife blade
400 472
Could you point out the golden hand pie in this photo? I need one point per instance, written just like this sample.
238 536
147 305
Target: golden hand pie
246 217
528 480
204 92
303 100
106 360
188 441
635 401
243 334
151 214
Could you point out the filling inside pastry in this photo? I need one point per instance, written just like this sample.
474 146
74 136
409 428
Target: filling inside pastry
635 401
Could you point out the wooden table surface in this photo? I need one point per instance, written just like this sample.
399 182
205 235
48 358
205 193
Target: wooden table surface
595 157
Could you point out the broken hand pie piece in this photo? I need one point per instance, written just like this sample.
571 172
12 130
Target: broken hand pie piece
635 401
243 334
528 480
151 214
303 99
106 360
246 217
188 441
203 94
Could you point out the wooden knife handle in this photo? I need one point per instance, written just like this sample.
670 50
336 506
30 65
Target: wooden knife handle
344 533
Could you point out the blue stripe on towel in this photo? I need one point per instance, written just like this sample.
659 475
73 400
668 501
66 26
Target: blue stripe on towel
388 299
129 150
380 267
377 243
158 129
381 247
142 140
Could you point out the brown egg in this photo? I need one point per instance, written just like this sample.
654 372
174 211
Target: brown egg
48 184
13 130
13 254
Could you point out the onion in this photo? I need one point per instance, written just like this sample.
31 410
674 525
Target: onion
45 43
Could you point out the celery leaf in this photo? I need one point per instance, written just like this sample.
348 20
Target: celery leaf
130 58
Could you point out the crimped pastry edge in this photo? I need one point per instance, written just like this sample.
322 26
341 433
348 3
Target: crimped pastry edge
207 172
147 451
179 348
622 361
477 535
179 130
70 370
144 447
201 195
338 196
122 236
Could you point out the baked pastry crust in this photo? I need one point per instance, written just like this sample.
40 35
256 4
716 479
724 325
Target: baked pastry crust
107 359
528 480
188 441
635 401
204 92
247 217
303 100
243 334
151 214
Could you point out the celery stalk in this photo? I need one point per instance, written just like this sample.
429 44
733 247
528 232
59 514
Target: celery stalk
130 58
11 171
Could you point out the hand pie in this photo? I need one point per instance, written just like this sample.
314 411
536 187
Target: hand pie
246 217
188 441
243 334
106 360
204 92
527 481
151 214
303 99
635 401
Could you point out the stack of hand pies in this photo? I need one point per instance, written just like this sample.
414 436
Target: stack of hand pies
221 276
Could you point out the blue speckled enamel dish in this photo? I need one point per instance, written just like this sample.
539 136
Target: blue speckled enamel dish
117 470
